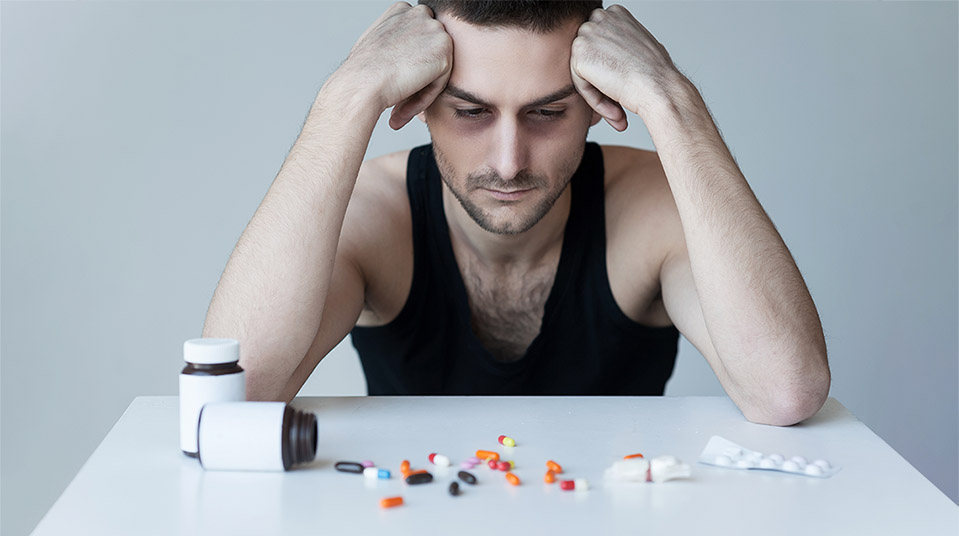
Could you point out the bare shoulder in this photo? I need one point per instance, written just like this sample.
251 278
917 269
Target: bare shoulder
642 228
377 233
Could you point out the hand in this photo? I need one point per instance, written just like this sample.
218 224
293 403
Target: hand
405 57
616 63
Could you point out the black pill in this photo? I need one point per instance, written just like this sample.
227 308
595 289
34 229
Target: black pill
349 467
454 489
467 477
419 478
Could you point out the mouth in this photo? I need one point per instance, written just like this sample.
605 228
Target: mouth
513 195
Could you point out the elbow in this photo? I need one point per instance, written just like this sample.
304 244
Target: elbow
794 403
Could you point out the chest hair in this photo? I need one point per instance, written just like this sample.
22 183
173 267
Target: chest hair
507 309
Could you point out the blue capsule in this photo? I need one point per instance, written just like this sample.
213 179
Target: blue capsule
375 472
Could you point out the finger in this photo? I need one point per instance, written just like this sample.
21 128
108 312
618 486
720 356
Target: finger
395 8
407 109
611 110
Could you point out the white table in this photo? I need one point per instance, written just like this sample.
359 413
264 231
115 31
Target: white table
138 482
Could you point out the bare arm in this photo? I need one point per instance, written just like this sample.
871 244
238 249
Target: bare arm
273 294
730 284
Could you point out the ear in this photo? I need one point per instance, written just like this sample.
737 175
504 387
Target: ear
595 119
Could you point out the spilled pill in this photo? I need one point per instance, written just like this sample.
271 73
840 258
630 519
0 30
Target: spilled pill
513 479
506 441
467 477
390 502
439 459
419 477
487 455
503 466
405 467
467 464
454 489
631 456
367 463
549 477
374 472
492 463
349 467
554 467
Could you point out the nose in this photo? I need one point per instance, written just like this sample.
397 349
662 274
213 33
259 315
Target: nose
510 153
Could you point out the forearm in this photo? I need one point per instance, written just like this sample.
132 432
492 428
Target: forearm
759 314
272 291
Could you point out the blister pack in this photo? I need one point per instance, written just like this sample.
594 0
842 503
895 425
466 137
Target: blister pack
722 452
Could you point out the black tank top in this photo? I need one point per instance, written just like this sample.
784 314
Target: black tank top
586 345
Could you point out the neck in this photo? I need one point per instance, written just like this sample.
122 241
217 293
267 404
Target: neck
497 251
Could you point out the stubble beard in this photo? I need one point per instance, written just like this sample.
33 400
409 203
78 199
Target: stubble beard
492 181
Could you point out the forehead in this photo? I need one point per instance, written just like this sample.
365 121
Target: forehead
509 66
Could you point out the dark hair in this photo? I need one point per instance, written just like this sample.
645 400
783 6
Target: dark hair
534 15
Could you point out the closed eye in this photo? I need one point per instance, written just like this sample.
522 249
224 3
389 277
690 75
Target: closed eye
471 113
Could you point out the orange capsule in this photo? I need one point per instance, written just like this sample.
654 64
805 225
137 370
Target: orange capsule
513 479
390 502
418 471
632 456
487 454
554 467
405 467
550 477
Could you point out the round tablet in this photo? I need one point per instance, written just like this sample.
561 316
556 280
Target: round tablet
777 458
791 466
723 460
813 470
823 464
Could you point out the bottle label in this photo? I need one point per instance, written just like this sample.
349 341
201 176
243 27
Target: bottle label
197 390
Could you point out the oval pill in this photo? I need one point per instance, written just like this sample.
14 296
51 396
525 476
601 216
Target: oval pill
492 463
513 479
349 467
506 441
390 502
467 477
549 477
418 477
367 463
487 455
503 466
554 467
454 489
467 464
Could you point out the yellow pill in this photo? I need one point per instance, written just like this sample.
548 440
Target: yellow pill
506 441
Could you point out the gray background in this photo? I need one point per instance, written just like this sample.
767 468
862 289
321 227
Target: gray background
138 139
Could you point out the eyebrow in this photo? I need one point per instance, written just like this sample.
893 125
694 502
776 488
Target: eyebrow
462 94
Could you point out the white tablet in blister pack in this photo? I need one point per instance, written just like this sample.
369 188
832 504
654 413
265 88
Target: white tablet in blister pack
722 452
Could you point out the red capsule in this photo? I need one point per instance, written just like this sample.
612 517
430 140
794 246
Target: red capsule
567 484
492 464
503 466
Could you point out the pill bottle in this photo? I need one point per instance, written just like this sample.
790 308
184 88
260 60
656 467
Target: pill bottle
212 374
255 436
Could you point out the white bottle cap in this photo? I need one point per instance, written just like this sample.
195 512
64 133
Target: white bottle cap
211 351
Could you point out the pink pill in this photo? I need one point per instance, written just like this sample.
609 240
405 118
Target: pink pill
474 460
467 465
367 463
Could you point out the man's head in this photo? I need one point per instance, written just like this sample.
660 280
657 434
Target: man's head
509 130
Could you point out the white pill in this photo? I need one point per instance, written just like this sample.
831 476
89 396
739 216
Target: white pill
724 460
767 463
823 464
744 464
813 470
791 466
581 484
800 461
777 458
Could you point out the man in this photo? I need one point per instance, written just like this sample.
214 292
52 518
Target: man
510 256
